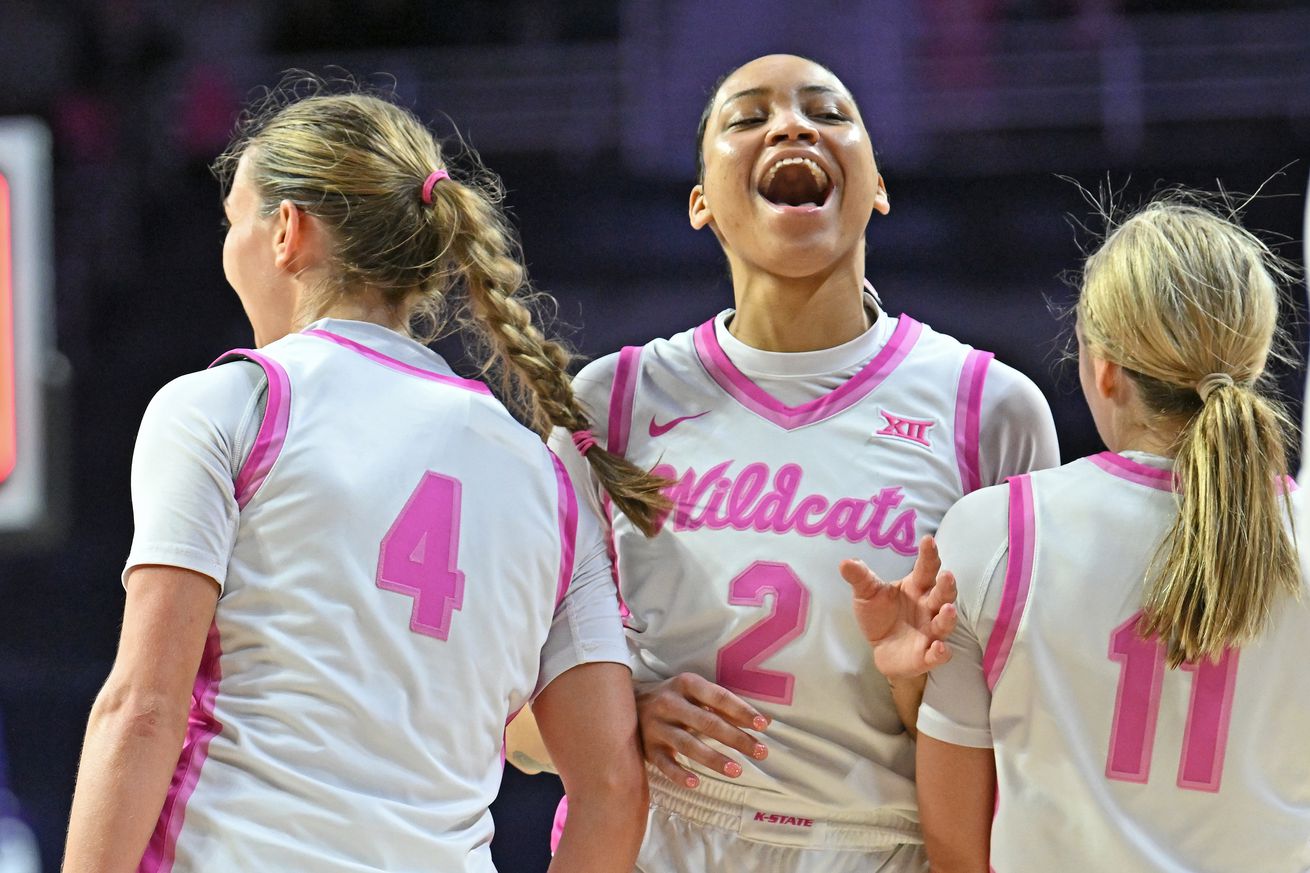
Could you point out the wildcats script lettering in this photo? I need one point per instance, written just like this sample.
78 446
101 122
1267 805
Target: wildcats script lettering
752 499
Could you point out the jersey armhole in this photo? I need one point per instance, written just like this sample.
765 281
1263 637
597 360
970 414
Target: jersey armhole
968 418
1018 579
622 393
568 527
272 431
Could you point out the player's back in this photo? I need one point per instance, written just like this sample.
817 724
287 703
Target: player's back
401 550
1107 759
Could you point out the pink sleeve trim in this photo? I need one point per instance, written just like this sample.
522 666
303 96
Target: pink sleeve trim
968 418
201 728
739 386
272 430
568 528
622 393
399 366
1018 579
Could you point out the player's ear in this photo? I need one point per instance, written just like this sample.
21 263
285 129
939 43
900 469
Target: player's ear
881 202
288 236
698 208
1110 379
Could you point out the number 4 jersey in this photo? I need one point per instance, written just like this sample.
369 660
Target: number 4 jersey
785 464
1107 759
401 566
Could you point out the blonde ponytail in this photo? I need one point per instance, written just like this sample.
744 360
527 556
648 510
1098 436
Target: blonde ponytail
1228 556
1186 302
406 229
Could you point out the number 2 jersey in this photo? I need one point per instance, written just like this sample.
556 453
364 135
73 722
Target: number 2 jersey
1107 759
785 464
402 565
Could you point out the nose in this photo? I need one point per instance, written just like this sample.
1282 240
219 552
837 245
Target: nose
791 125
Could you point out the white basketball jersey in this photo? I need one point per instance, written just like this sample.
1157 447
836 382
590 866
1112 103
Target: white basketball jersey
1106 759
401 550
741 584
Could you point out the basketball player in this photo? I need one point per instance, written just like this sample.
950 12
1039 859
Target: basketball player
1128 689
804 426
350 565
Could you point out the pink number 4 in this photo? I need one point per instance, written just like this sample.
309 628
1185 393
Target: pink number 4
1137 708
418 555
738 667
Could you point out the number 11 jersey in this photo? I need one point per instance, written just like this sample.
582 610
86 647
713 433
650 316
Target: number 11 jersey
1107 759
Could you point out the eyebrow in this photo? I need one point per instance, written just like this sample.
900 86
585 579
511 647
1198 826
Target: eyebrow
805 89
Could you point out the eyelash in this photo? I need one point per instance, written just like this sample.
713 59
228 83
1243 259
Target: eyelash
831 117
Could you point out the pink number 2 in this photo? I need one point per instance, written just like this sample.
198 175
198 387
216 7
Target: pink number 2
1137 707
418 554
738 667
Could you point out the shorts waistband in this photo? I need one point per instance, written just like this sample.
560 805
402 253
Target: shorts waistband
767 818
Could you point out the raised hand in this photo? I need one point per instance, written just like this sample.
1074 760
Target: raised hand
906 621
675 714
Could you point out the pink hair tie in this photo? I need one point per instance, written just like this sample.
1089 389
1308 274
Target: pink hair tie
584 440
430 183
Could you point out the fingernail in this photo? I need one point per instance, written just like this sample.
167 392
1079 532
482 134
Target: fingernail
732 768
760 751
692 782
760 723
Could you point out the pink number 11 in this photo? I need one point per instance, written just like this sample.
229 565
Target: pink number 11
1137 707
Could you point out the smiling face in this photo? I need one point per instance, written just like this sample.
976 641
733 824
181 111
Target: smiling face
789 181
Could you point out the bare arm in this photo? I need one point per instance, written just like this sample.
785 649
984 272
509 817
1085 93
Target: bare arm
139 719
587 720
957 793
907 695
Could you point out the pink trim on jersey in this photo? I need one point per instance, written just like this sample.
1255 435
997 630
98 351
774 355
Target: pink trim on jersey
201 728
272 430
612 550
968 418
622 393
1018 579
1154 477
399 366
739 386
568 528
1132 471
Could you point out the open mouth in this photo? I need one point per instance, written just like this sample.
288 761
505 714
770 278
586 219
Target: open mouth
796 182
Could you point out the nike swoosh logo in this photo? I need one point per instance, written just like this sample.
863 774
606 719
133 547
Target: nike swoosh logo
657 429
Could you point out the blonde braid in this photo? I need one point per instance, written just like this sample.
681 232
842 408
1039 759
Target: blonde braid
532 368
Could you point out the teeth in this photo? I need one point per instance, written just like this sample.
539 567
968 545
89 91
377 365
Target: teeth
820 177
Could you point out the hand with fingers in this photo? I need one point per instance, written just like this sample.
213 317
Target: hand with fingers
676 716
908 621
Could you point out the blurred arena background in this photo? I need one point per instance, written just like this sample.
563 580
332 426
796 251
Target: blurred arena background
588 110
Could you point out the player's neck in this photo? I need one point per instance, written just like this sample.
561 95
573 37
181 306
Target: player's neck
367 306
780 314
1138 436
